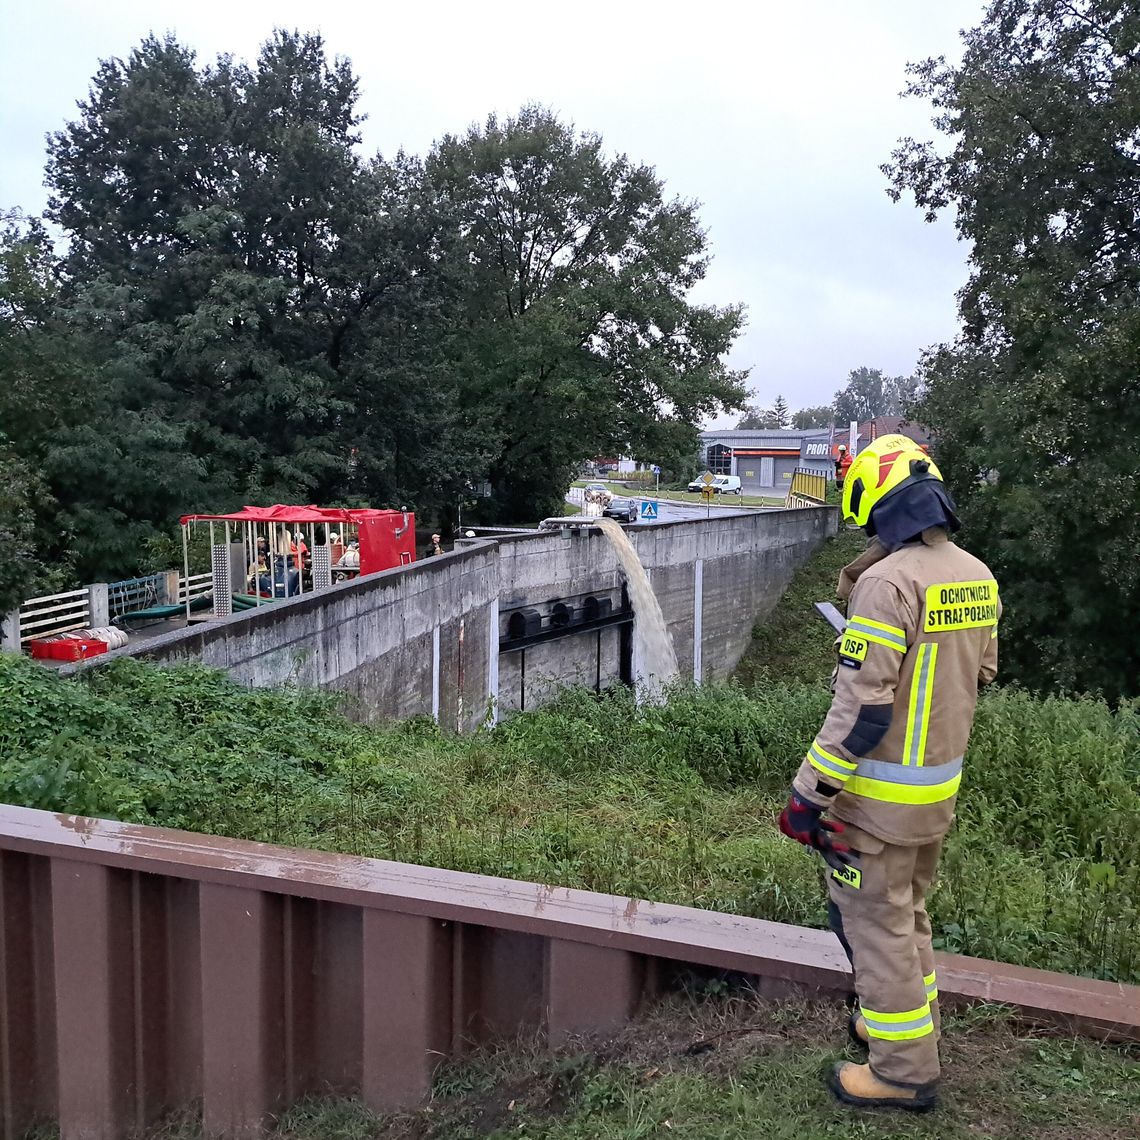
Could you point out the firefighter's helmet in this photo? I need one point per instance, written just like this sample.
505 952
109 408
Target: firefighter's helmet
880 469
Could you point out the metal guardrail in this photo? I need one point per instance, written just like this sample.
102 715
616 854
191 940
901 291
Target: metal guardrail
807 489
96 605
136 594
147 969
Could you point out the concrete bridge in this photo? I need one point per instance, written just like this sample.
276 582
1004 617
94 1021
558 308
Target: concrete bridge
499 624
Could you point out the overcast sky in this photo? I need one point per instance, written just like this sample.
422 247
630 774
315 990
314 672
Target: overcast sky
775 119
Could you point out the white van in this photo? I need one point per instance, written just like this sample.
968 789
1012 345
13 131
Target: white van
721 484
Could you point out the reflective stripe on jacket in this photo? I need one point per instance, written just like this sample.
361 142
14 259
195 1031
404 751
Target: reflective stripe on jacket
921 634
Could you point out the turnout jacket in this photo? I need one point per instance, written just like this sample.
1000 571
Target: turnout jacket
921 635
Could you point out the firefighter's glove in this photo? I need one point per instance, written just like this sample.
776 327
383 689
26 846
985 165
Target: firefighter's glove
803 822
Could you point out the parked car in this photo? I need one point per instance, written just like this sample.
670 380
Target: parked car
721 484
624 510
600 492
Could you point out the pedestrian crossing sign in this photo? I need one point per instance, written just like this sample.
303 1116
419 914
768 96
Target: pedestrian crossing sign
648 510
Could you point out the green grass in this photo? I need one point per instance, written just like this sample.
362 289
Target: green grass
674 803
794 643
734 1067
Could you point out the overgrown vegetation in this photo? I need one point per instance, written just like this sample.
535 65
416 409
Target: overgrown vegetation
671 803
793 643
1033 404
731 1067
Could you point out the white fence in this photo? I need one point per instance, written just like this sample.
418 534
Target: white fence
96 606
194 586
54 613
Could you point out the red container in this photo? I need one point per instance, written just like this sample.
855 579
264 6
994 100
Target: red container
66 648
387 539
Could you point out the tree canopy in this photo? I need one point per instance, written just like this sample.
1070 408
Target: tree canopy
1035 404
244 308
817 416
868 394
778 416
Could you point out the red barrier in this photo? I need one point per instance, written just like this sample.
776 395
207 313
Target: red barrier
142 969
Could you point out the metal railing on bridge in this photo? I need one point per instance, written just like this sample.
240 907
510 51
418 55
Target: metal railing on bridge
195 586
136 594
808 488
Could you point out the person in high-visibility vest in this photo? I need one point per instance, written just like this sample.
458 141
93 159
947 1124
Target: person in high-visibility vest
842 465
921 635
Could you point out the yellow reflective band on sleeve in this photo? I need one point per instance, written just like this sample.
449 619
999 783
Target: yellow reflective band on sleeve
902 793
894 630
830 764
930 981
921 695
906 1026
892 783
960 605
879 632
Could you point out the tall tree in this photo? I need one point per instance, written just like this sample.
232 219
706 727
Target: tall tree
581 338
902 394
777 417
818 416
223 251
862 397
41 393
1039 391
868 393
781 415
755 418
247 311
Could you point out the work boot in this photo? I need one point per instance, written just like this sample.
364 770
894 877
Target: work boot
857 1085
857 1030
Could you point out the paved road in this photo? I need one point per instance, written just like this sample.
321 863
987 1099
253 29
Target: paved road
671 511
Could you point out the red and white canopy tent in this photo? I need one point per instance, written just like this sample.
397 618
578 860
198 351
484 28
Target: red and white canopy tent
387 538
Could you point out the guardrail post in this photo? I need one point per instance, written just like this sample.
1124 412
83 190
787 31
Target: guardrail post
406 1007
98 605
241 1027
10 632
94 998
588 989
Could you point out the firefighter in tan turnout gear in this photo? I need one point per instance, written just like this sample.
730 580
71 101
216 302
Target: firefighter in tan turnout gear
921 635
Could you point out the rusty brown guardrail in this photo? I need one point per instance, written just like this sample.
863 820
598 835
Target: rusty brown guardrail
143 969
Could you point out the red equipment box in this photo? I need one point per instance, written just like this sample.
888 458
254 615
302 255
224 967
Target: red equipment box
66 648
387 539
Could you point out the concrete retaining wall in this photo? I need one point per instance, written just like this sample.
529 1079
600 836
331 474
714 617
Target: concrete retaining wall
424 639
717 574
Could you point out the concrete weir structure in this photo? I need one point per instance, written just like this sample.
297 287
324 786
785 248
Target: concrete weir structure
499 624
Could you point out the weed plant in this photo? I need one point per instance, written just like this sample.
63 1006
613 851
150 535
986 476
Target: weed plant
672 803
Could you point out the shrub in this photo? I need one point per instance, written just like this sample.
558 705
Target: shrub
671 803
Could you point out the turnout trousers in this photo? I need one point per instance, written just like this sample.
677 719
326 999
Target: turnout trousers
878 910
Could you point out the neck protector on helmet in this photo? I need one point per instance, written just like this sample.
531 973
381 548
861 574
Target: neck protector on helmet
910 510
